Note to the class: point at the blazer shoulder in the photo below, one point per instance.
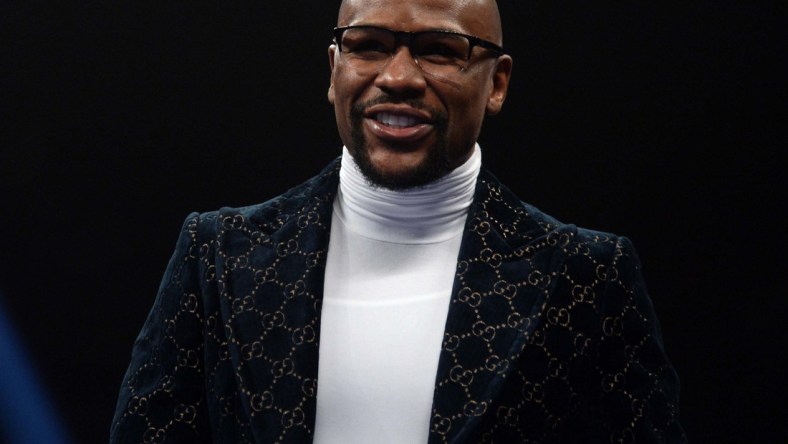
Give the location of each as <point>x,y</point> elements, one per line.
<point>273,213</point>
<point>599,241</point>
<point>582,234</point>
<point>521,223</point>
<point>604,246</point>
<point>609,246</point>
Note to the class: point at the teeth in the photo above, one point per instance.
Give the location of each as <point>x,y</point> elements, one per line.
<point>397,121</point>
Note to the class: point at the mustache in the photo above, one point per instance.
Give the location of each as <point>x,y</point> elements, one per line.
<point>386,98</point>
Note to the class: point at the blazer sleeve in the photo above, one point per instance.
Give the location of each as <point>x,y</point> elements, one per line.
<point>162,397</point>
<point>640,388</point>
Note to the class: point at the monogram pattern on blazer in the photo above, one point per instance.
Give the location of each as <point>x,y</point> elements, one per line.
<point>550,336</point>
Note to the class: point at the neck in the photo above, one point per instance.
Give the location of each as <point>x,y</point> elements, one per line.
<point>433,213</point>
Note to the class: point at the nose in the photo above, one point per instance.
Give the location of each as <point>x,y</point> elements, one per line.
<point>401,75</point>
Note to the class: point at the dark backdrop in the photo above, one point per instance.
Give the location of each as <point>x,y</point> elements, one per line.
<point>662,121</point>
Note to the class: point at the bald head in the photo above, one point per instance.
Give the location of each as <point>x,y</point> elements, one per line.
<point>477,17</point>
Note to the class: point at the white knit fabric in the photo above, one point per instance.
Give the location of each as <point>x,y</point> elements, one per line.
<point>389,273</point>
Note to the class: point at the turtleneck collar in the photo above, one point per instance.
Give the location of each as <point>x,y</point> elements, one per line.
<point>430,214</point>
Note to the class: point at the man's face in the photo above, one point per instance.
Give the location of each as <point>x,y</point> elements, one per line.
<point>406,128</point>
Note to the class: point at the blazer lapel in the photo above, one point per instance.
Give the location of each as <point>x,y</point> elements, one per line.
<point>504,275</point>
<point>270,270</point>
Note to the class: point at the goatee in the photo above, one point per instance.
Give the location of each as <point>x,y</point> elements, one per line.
<point>436,164</point>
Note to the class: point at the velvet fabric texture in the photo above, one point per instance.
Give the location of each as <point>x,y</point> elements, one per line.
<point>550,337</point>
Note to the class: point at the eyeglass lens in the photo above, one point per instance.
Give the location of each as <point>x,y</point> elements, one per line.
<point>438,53</point>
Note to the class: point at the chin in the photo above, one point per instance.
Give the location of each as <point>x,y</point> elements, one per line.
<point>405,175</point>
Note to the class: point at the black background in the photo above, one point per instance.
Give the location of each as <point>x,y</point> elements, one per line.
<point>663,121</point>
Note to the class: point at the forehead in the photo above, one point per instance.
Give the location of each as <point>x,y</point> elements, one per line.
<point>466,16</point>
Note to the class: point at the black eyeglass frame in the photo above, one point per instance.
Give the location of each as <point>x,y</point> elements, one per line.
<point>410,36</point>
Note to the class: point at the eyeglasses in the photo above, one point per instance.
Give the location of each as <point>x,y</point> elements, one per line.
<point>440,53</point>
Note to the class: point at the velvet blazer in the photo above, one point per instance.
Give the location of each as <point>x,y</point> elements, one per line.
<point>550,336</point>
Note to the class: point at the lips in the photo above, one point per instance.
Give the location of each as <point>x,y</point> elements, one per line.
<point>398,123</point>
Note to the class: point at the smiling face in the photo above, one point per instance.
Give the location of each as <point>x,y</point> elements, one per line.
<point>406,128</point>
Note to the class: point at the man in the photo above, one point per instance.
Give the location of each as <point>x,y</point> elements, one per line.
<point>404,294</point>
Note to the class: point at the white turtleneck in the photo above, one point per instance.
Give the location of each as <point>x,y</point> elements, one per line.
<point>391,262</point>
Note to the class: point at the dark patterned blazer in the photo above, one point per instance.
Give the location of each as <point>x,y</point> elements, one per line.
<point>550,335</point>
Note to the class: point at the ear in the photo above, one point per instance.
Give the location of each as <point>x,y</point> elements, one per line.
<point>332,49</point>
<point>500,84</point>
